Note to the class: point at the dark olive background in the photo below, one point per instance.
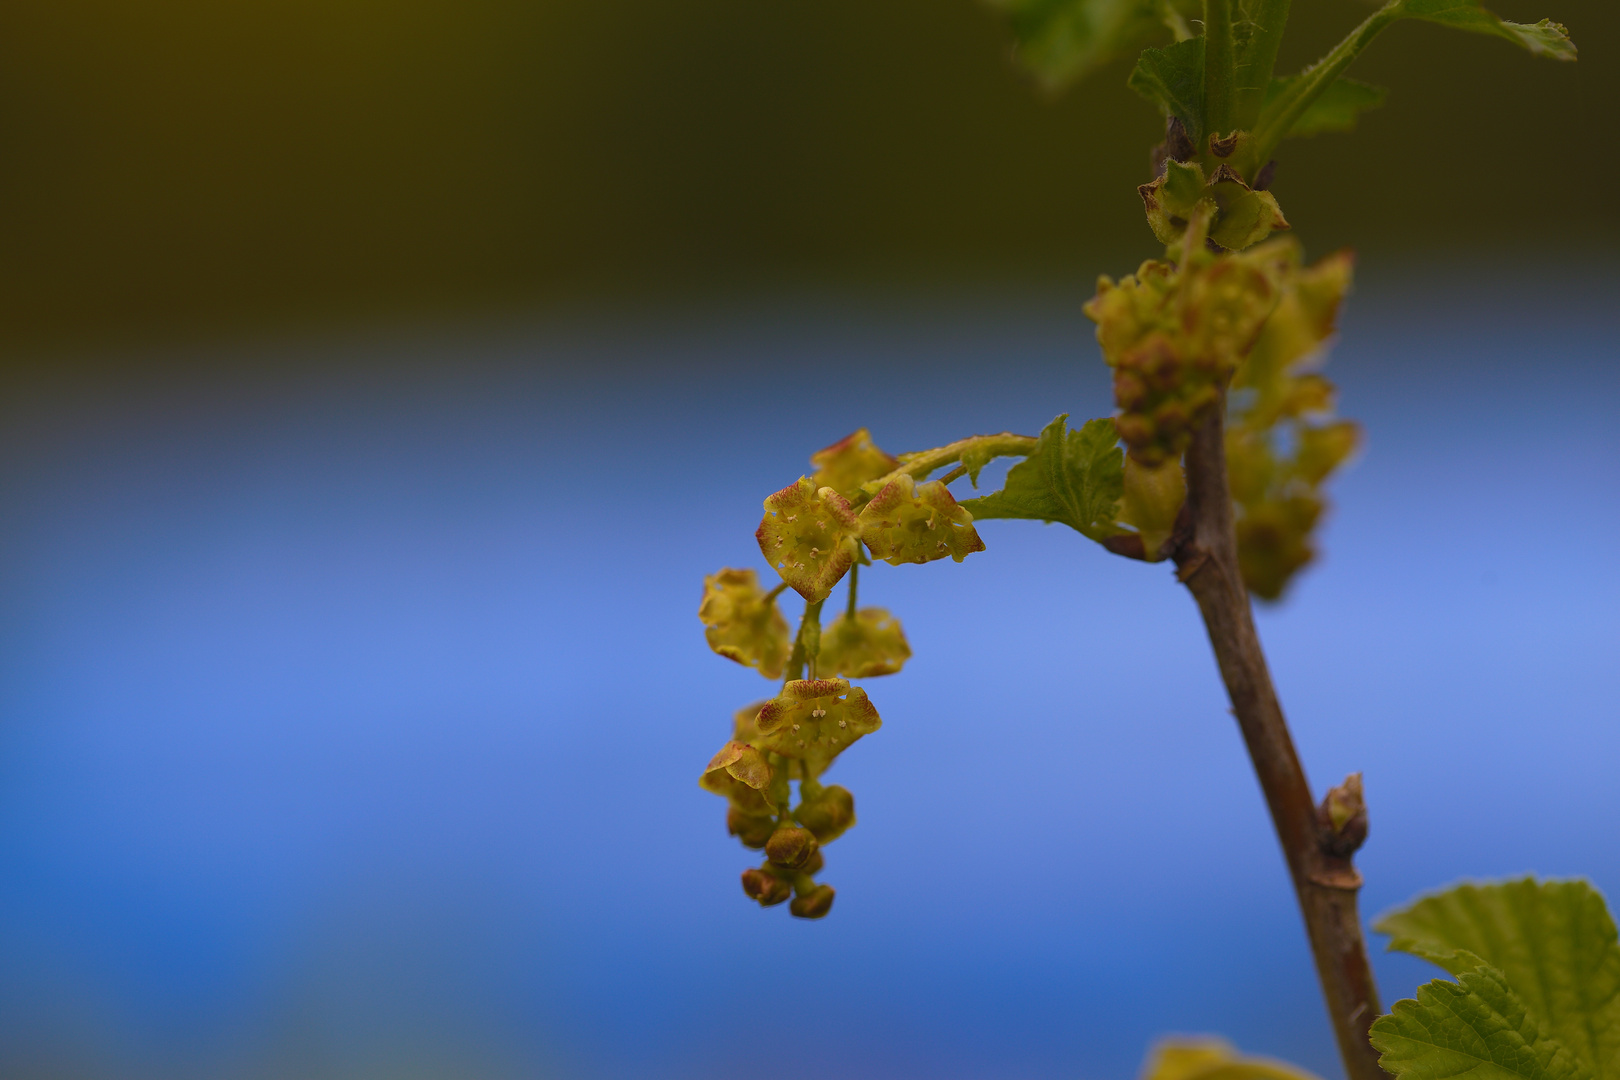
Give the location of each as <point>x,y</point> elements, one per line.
<point>181,167</point>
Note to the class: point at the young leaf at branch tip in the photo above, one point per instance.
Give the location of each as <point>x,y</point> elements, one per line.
<point>1544,38</point>
<point>808,536</point>
<point>850,462</point>
<point>1213,1059</point>
<point>911,523</point>
<point>1173,79</point>
<point>1554,941</point>
<point>741,624</point>
<point>1240,215</point>
<point>1059,41</point>
<point>1284,110</point>
<point>1073,478</point>
<point>1336,109</point>
<point>815,720</point>
<point>870,644</point>
<point>1475,1026</point>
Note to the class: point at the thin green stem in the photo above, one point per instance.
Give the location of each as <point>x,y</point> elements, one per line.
<point>1281,114</point>
<point>1256,61</point>
<point>1220,67</point>
<point>810,634</point>
<point>918,465</point>
<point>774,593</point>
<point>854,575</point>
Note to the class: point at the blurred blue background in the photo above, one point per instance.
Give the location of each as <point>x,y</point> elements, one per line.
<point>354,698</point>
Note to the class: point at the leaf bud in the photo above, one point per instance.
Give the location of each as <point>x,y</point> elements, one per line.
<point>762,885</point>
<point>828,813</point>
<point>1341,820</point>
<point>791,847</point>
<point>813,904</point>
<point>753,830</point>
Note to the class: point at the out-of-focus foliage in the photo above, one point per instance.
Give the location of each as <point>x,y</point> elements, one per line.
<point>1062,40</point>
<point>1282,441</point>
<point>1213,1059</point>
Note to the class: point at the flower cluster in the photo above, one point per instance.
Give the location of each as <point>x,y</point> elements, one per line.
<point>1175,334</point>
<point>813,534</point>
<point>1282,439</point>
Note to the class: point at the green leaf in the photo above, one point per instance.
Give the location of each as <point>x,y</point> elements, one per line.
<point>1173,79</point>
<point>1476,1027</point>
<point>1545,38</point>
<point>1075,478</point>
<point>1299,94</point>
<point>1062,40</point>
<point>1335,110</point>
<point>1554,941</point>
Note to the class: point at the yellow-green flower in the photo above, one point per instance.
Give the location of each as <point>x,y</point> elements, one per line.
<point>850,462</point>
<point>808,535</point>
<point>870,644</point>
<point>741,623</point>
<point>814,720</point>
<point>907,523</point>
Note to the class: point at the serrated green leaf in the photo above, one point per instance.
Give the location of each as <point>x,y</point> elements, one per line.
<point>1336,109</point>
<point>1554,941</point>
<point>1075,478</point>
<point>1545,38</point>
<point>1062,40</point>
<point>1173,79</point>
<point>1287,108</point>
<point>1475,1027</point>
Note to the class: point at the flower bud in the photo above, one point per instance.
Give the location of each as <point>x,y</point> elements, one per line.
<point>751,829</point>
<point>813,904</point>
<point>791,847</point>
<point>765,887</point>
<point>828,813</point>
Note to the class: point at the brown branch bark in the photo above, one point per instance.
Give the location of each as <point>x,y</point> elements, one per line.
<point>1317,852</point>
